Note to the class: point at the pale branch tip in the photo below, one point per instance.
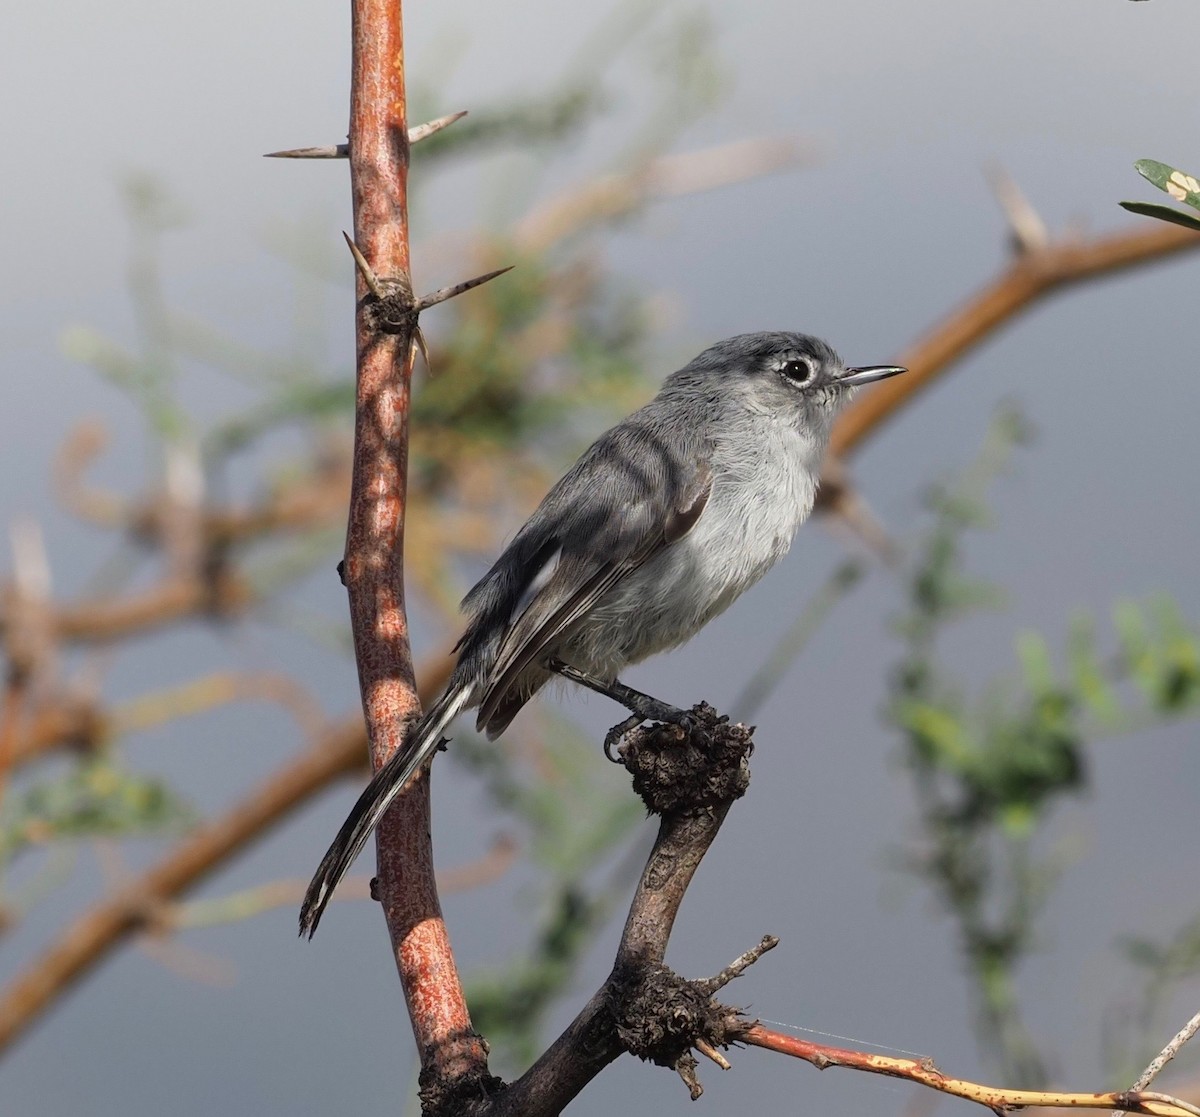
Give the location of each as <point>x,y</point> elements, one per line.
<point>342,151</point>
<point>1025,224</point>
<point>369,276</point>
<point>709,1052</point>
<point>31,563</point>
<point>686,1069</point>
<point>1184,1035</point>
<point>740,964</point>
<point>1164,1056</point>
<point>444,293</point>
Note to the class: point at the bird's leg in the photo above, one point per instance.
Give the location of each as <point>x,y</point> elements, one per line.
<point>643,707</point>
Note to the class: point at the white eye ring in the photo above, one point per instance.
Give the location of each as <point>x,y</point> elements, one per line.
<point>796,370</point>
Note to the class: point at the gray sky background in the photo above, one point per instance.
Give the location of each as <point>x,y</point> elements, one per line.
<point>868,248</point>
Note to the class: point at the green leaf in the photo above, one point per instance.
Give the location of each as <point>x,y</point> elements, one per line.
<point>1182,186</point>
<point>937,735</point>
<point>1034,654</point>
<point>1163,213</point>
<point>1018,818</point>
<point>1087,673</point>
<point>93,800</point>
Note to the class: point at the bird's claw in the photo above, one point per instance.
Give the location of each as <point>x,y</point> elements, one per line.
<point>686,721</point>
<point>613,738</point>
<point>668,715</point>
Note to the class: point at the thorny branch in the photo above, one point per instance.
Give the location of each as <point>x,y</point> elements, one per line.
<point>690,779</point>
<point>388,338</point>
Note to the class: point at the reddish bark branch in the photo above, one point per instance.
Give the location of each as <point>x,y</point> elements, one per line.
<point>374,565</point>
<point>922,1071</point>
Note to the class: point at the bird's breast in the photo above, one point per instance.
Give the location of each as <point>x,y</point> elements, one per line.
<point>760,496</point>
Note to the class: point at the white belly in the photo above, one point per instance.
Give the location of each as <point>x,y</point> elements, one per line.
<point>758,501</point>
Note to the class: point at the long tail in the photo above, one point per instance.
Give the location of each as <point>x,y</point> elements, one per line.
<point>387,783</point>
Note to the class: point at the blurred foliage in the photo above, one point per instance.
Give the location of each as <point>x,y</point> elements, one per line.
<point>987,773</point>
<point>94,798</point>
<point>1182,186</point>
<point>678,54</point>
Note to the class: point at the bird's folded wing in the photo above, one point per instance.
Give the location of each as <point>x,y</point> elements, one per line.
<point>578,582</point>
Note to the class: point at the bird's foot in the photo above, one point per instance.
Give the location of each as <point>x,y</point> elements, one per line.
<point>642,707</point>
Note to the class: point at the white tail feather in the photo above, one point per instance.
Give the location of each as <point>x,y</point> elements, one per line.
<point>373,803</point>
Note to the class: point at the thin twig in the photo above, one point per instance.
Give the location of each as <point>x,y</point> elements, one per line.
<point>613,196</point>
<point>768,675</point>
<point>740,964</point>
<point>923,1072</point>
<point>80,448</point>
<point>1167,1054</point>
<point>218,689</point>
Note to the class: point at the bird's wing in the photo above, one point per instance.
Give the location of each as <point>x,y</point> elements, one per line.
<point>582,578</point>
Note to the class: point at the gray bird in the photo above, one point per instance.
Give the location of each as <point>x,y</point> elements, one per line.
<point>661,524</point>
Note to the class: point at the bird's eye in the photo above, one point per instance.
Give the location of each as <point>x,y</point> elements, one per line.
<point>797,371</point>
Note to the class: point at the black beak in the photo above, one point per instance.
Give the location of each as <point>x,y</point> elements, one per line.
<point>868,374</point>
